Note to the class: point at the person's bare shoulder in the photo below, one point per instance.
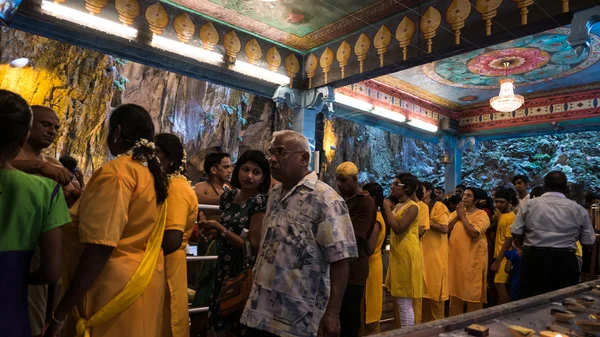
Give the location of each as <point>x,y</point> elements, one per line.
<point>201,188</point>
<point>53,161</point>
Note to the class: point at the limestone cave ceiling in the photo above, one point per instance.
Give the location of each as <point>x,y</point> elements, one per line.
<point>297,24</point>
<point>542,64</point>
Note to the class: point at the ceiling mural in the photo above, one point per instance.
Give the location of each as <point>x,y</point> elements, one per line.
<point>539,63</point>
<point>301,25</point>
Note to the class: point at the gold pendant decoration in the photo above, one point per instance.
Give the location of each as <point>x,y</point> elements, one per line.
<point>209,36</point>
<point>522,5</point>
<point>232,45</point>
<point>253,51</point>
<point>157,18</point>
<point>293,66</point>
<point>457,13</point>
<point>565,6</point>
<point>128,10</point>
<point>342,55</point>
<point>310,67</point>
<point>95,6</point>
<point>381,41</point>
<point>404,32</point>
<point>361,48</point>
<point>325,61</point>
<point>429,24</point>
<point>488,10</point>
<point>273,59</point>
<point>184,27</point>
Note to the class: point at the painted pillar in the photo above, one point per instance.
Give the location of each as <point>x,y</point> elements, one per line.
<point>453,170</point>
<point>306,104</point>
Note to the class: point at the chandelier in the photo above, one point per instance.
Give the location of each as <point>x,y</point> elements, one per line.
<point>507,101</point>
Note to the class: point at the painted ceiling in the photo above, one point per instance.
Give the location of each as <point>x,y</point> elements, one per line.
<point>301,25</point>
<point>540,64</point>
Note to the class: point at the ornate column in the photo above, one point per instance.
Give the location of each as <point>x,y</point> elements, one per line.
<point>306,104</point>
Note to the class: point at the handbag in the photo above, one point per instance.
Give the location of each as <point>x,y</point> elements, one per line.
<point>236,290</point>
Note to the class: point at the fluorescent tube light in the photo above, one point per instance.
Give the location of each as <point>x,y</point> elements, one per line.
<point>260,73</point>
<point>186,50</point>
<point>389,114</point>
<point>353,102</point>
<point>88,20</point>
<point>423,125</point>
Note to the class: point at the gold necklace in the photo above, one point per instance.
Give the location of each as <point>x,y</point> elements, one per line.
<point>43,158</point>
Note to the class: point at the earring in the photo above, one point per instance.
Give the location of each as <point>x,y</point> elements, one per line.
<point>116,139</point>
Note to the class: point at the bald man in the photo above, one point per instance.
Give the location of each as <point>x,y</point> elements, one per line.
<point>363,214</point>
<point>44,130</point>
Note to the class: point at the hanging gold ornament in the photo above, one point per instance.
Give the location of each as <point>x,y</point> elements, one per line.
<point>310,67</point>
<point>95,6</point>
<point>522,5</point>
<point>232,45</point>
<point>404,32</point>
<point>184,27</point>
<point>488,10</point>
<point>457,13</point>
<point>325,61</point>
<point>565,6</point>
<point>342,55</point>
<point>157,18</point>
<point>429,24</point>
<point>209,36</point>
<point>273,59</point>
<point>293,66</point>
<point>361,48</point>
<point>253,51</point>
<point>381,41</point>
<point>128,11</point>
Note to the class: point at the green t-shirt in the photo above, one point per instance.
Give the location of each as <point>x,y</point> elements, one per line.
<point>29,206</point>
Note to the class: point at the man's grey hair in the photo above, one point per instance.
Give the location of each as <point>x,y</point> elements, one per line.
<point>297,137</point>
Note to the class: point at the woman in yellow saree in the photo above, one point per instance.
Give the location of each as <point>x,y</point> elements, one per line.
<point>181,218</point>
<point>113,263</point>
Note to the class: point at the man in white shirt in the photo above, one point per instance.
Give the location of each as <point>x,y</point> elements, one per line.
<point>548,227</point>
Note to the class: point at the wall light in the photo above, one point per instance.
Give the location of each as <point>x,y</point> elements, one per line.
<point>423,125</point>
<point>389,114</point>
<point>88,20</point>
<point>260,73</point>
<point>21,62</point>
<point>186,50</point>
<point>353,102</point>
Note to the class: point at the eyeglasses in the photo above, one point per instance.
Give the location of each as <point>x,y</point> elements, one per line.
<point>280,152</point>
<point>395,183</point>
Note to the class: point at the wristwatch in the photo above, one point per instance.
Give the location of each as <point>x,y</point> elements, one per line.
<point>224,233</point>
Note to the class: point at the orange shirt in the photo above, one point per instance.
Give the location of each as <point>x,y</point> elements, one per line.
<point>435,256</point>
<point>117,209</point>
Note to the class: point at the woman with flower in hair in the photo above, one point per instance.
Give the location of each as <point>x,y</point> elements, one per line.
<point>114,276</point>
<point>181,218</point>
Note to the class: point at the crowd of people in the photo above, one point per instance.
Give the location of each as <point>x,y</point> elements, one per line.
<point>296,257</point>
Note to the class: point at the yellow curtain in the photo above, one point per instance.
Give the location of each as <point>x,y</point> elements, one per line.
<point>135,287</point>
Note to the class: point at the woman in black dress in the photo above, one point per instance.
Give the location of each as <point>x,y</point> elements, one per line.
<point>243,207</point>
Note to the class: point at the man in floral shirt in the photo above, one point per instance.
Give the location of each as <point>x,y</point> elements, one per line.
<point>302,267</point>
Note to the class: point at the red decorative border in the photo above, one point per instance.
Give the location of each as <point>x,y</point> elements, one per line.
<point>397,93</point>
<point>386,105</point>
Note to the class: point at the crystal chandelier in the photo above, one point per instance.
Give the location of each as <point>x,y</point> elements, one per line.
<point>507,101</point>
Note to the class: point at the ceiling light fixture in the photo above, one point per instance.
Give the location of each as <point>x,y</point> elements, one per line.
<point>186,50</point>
<point>353,102</point>
<point>260,73</point>
<point>88,20</point>
<point>507,101</point>
<point>19,63</point>
<point>423,125</point>
<point>389,114</point>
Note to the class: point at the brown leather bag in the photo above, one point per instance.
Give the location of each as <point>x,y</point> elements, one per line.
<point>236,291</point>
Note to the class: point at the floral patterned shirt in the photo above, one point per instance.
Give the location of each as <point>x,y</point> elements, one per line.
<point>305,230</point>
